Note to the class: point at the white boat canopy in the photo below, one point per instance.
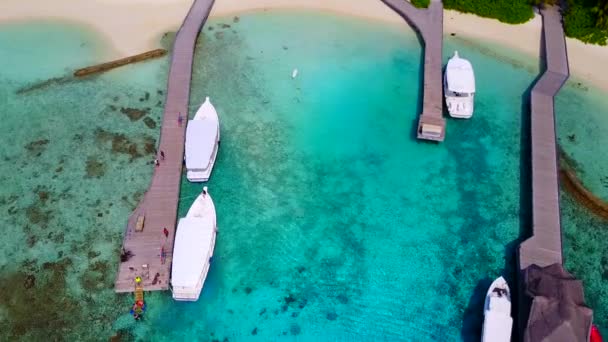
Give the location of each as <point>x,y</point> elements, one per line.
<point>201,136</point>
<point>459,75</point>
<point>192,249</point>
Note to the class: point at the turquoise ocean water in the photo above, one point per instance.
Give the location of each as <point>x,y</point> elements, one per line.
<point>334,223</point>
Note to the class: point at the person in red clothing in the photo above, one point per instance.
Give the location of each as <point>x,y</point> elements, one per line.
<point>166,232</point>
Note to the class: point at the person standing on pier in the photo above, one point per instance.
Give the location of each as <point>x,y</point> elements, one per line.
<point>162,155</point>
<point>179,119</point>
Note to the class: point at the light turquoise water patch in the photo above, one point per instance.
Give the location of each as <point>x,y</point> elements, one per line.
<point>334,223</point>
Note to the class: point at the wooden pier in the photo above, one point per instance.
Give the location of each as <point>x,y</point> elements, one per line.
<point>151,252</point>
<point>545,246</point>
<point>429,24</point>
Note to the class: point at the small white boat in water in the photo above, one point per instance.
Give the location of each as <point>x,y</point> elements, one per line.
<point>294,73</point>
<point>202,142</point>
<point>459,87</point>
<point>497,323</point>
<point>193,249</point>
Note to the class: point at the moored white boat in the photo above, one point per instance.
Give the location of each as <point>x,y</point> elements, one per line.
<point>202,143</point>
<point>459,87</point>
<point>193,249</point>
<point>497,323</point>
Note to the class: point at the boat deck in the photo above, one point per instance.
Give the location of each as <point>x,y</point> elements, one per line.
<point>151,250</point>
<point>429,24</point>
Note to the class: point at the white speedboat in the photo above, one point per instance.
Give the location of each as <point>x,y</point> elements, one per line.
<point>193,249</point>
<point>459,87</point>
<point>497,323</point>
<point>202,142</point>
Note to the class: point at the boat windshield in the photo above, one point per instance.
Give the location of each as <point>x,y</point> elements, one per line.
<point>457,94</point>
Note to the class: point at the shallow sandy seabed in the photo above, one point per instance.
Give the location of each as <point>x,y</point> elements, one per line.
<point>136,26</point>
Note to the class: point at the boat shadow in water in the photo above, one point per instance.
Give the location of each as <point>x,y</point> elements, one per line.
<point>473,317</point>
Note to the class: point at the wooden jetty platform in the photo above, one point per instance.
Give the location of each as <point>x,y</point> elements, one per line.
<point>429,24</point>
<point>545,246</point>
<point>151,250</point>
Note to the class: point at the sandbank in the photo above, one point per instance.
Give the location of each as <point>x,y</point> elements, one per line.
<point>137,25</point>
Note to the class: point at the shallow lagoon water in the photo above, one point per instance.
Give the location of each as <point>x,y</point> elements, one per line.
<point>334,223</point>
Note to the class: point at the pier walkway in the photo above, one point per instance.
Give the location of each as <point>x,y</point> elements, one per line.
<point>151,250</point>
<point>545,246</point>
<point>429,24</point>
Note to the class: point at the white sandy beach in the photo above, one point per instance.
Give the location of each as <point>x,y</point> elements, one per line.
<point>135,26</point>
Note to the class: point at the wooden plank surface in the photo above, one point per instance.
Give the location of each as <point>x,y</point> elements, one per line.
<point>159,204</point>
<point>545,246</point>
<point>429,24</point>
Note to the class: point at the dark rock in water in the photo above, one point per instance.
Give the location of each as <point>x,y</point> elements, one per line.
<point>31,240</point>
<point>147,96</point>
<point>332,316</point>
<point>159,103</point>
<point>93,254</point>
<point>43,196</point>
<point>112,108</point>
<point>254,331</point>
<point>236,19</point>
<point>141,99</point>
<point>219,35</point>
<point>295,314</point>
<point>38,216</point>
<point>289,299</point>
<point>115,98</point>
<point>452,34</point>
<point>303,303</point>
<point>148,121</point>
<point>222,25</point>
<point>295,329</point>
<point>210,28</point>
<point>59,169</point>
<point>99,214</point>
<point>36,147</point>
<point>263,311</point>
<point>248,290</point>
<point>159,92</point>
<point>149,145</point>
<point>123,145</point>
<point>134,114</point>
<point>122,335</point>
<point>95,168</point>
<point>342,298</point>
<point>301,269</point>
<point>29,282</point>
